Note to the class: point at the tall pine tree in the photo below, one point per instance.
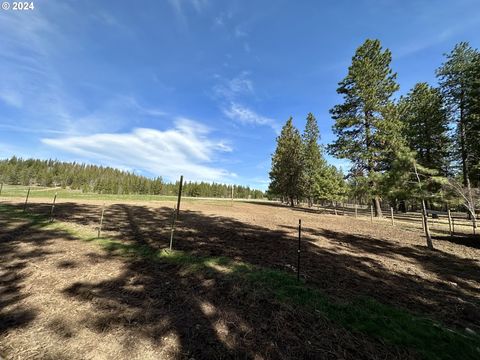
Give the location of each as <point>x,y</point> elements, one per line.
<point>455,79</point>
<point>426,127</point>
<point>361,122</point>
<point>473,121</point>
<point>313,160</point>
<point>287,164</point>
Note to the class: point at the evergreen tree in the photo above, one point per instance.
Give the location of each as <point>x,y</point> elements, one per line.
<point>366,122</point>
<point>106,180</point>
<point>456,84</point>
<point>329,184</point>
<point>472,142</point>
<point>286,172</point>
<point>313,161</point>
<point>426,127</point>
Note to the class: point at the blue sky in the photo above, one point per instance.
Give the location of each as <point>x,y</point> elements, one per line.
<point>199,87</point>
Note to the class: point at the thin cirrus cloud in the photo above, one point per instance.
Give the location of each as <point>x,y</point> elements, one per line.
<point>230,89</point>
<point>230,92</point>
<point>183,150</point>
<point>181,7</point>
<point>11,97</point>
<point>245,115</point>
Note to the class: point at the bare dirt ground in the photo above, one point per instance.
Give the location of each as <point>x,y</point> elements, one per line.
<point>65,298</point>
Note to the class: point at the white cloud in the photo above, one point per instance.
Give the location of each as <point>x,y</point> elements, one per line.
<point>240,32</point>
<point>245,115</point>
<point>27,70</point>
<point>232,88</point>
<point>178,8</point>
<point>419,44</point>
<point>183,150</point>
<point>11,97</point>
<point>230,92</point>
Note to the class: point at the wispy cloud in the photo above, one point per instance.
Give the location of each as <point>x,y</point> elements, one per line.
<point>232,88</point>
<point>245,115</point>
<point>28,74</point>
<point>95,133</point>
<point>31,80</point>
<point>422,43</point>
<point>11,97</point>
<point>180,11</point>
<point>223,18</point>
<point>185,149</point>
<point>240,32</point>
<point>232,92</point>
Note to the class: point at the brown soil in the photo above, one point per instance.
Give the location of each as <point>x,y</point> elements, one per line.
<point>65,298</point>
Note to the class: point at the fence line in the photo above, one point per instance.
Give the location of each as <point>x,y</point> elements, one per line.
<point>440,221</point>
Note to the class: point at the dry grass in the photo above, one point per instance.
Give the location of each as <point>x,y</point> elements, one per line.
<point>65,298</point>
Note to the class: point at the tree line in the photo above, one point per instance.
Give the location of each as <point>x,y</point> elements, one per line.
<point>422,147</point>
<point>108,180</point>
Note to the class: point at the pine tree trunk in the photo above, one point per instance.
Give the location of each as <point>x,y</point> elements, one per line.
<point>470,199</point>
<point>463,150</point>
<point>426,227</point>
<point>428,205</point>
<point>377,207</point>
<point>292,204</point>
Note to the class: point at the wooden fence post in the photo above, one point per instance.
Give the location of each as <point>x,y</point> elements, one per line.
<point>449,222</point>
<point>299,247</point>
<point>26,201</point>
<point>53,207</point>
<point>179,195</point>
<point>453,226</point>
<point>356,211</point>
<point>371,213</point>
<point>101,221</point>
<point>391,214</point>
<point>1,188</point>
<point>177,211</point>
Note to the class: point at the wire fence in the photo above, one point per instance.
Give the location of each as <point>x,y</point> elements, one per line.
<point>440,222</point>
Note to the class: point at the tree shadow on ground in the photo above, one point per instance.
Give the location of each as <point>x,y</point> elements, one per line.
<point>472,241</point>
<point>451,292</point>
<point>334,271</point>
<point>204,315</point>
<point>21,242</point>
<point>209,316</point>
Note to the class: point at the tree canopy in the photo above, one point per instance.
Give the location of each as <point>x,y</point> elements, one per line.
<point>107,180</point>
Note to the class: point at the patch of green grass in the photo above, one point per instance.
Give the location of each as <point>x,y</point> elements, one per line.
<point>430,339</point>
<point>45,192</point>
<point>10,191</point>
<point>365,315</point>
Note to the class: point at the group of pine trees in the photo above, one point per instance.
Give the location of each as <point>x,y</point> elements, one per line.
<point>299,170</point>
<point>422,146</point>
<point>107,180</point>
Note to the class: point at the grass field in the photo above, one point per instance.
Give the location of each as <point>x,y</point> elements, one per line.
<point>229,290</point>
<point>19,191</point>
<point>411,220</point>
